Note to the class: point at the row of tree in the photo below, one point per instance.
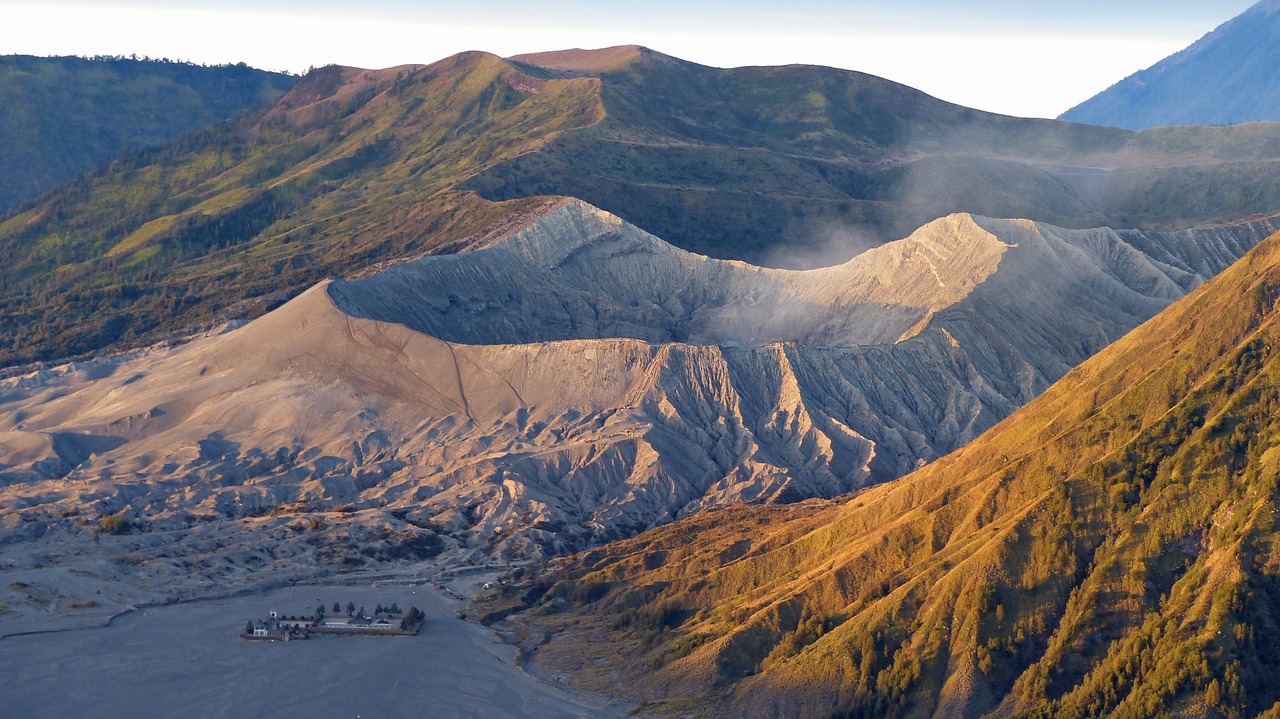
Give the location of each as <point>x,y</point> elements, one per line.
<point>392,610</point>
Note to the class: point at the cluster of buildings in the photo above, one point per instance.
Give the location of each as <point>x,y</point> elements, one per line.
<point>277,626</point>
<point>386,621</point>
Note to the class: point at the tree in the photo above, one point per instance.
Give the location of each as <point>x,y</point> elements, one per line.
<point>377,609</point>
<point>351,608</point>
<point>113,524</point>
<point>319,611</point>
<point>395,609</point>
<point>412,619</point>
<point>248,628</point>
<point>337,608</point>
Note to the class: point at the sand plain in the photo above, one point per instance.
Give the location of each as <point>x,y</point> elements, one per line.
<point>186,660</point>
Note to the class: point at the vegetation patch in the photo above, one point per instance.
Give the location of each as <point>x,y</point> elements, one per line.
<point>114,524</point>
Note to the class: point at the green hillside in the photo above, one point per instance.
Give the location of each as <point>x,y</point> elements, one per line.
<point>61,116</point>
<point>349,168</point>
<point>1109,550</point>
<point>781,166</point>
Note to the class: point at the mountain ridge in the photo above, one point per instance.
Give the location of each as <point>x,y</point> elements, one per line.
<point>585,60</point>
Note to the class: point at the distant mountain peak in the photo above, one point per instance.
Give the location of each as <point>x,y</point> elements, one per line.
<point>603,59</point>
<point>1229,76</point>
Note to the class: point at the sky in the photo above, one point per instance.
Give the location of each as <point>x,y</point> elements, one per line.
<point>1034,58</point>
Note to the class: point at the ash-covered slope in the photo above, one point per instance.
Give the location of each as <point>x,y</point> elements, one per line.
<point>1231,75</point>
<point>576,381</point>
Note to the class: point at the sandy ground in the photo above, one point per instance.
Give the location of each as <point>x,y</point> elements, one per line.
<point>185,660</point>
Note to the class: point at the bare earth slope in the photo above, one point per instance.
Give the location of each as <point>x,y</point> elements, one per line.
<point>575,381</point>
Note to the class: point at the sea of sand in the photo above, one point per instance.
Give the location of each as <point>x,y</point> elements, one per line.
<point>186,660</point>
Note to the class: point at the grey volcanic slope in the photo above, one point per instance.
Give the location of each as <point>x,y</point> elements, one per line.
<point>1229,76</point>
<point>575,381</point>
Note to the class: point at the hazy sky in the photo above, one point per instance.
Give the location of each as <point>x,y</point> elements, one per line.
<point>1031,57</point>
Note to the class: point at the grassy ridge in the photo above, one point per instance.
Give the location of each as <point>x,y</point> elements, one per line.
<point>1109,550</point>
<point>64,115</point>
<point>350,168</point>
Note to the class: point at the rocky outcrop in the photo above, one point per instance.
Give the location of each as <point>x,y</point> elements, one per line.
<point>581,380</point>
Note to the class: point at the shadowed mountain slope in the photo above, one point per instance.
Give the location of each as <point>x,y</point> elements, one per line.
<point>61,116</point>
<point>447,397</point>
<point>1108,550</point>
<point>1231,75</point>
<point>775,165</point>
